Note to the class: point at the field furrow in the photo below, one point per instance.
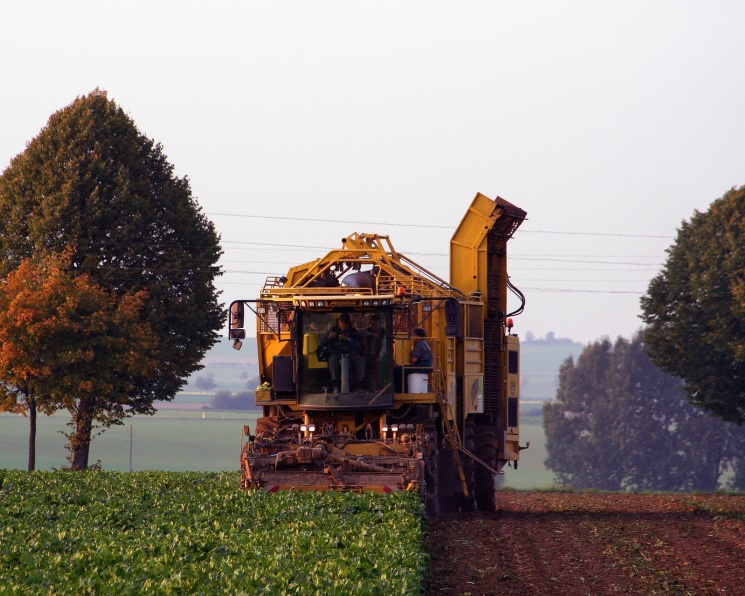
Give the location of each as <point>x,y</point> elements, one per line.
<point>592,543</point>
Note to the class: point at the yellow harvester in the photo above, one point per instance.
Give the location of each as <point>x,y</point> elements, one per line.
<point>349,411</point>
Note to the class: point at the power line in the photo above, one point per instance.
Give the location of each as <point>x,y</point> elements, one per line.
<point>528,289</point>
<point>319,220</point>
<point>625,281</point>
<point>514,270</point>
<point>273,244</point>
<point>595,234</point>
<point>572,291</point>
<point>440,266</point>
<point>283,247</point>
<point>592,255</point>
<point>580,261</point>
<point>637,269</point>
<point>425,226</point>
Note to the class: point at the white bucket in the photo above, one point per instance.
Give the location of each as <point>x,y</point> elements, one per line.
<point>418,383</point>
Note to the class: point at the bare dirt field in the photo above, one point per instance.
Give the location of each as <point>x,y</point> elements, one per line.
<point>592,543</point>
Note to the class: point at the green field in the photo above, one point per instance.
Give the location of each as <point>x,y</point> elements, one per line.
<point>196,533</point>
<point>181,440</point>
<point>531,473</point>
<point>175,440</point>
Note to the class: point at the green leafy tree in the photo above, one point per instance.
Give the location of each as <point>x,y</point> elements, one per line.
<point>91,181</point>
<point>620,423</point>
<point>695,308</point>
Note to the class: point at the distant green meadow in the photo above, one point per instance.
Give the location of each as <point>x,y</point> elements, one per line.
<point>197,533</point>
<point>184,440</point>
<point>174,440</point>
<point>531,471</point>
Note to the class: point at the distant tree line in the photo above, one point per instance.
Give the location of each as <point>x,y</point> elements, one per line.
<point>225,400</point>
<point>549,340</point>
<point>206,382</point>
<point>621,423</point>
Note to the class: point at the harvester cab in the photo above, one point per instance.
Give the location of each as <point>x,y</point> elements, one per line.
<point>379,375</point>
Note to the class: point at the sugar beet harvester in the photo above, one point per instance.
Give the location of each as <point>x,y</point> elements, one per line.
<point>349,411</point>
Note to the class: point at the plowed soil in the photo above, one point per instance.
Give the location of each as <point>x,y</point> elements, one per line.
<point>592,543</point>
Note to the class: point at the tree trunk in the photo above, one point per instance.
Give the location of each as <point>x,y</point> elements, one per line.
<point>80,441</point>
<point>32,434</point>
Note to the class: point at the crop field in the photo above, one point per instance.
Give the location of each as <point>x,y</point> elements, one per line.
<point>168,533</point>
<point>592,543</point>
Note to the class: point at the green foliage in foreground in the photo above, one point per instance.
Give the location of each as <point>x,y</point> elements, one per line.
<point>166,532</point>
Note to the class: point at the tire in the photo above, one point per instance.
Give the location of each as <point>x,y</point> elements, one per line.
<point>452,498</point>
<point>485,451</point>
<point>469,466</point>
<point>432,478</point>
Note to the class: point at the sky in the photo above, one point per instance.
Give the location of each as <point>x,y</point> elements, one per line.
<point>608,122</point>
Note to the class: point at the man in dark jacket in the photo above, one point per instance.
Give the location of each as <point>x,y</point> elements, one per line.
<point>374,340</point>
<point>421,360</point>
<point>343,340</point>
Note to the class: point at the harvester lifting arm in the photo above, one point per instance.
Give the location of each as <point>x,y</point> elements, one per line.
<point>354,462</point>
<point>479,461</point>
<point>416,267</point>
<point>381,392</point>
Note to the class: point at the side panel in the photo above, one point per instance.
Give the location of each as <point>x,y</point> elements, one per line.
<point>512,410</point>
<point>473,394</point>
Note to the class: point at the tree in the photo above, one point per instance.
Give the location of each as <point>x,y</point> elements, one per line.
<point>206,382</point>
<point>620,423</point>
<point>92,184</point>
<point>225,400</point>
<point>16,400</point>
<point>58,332</point>
<point>695,308</point>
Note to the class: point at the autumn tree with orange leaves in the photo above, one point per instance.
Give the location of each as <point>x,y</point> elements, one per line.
<point>67,343</point>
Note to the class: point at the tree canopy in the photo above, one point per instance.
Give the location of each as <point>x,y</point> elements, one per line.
<point>92,187</point>
<point>621,423</point>
<point>695,308</point>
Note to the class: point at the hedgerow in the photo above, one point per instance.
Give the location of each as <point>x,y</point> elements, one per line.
<point>196,533</point>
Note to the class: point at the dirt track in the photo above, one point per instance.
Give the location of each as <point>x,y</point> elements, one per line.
<point>590,543</point>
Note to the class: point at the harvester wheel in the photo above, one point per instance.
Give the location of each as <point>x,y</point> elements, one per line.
<point>469,442</point>
<point>485,494</point>
<point>449,482</point>
<point>432,479</point>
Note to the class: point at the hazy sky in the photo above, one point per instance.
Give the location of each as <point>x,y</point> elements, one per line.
<point>594,117</point>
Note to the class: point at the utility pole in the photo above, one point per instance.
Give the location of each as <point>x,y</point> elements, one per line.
<point>130,447</point>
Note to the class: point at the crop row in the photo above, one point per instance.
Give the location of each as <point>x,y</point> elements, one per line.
<point>166,532</point>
